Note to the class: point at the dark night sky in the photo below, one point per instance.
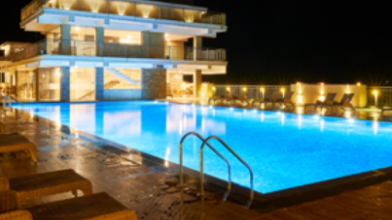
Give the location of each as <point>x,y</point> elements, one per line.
<point>280,42</point>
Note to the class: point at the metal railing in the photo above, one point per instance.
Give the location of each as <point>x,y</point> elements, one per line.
<point>129,8</point>
<point>384,96</point>
<point>215,151</point>
<point>205,142</point>
<point>92,48</point>
<point>253,92</point>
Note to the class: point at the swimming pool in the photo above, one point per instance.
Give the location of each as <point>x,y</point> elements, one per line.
<point>284,150</point>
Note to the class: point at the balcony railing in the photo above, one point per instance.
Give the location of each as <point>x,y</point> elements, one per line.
<point>94,49</point>
<point>128,8</point>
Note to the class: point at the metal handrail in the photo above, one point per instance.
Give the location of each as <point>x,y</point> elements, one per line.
<point>215,151</point>
<point>205,142</point>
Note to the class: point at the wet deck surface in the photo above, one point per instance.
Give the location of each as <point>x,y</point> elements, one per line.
<point>149,187</point>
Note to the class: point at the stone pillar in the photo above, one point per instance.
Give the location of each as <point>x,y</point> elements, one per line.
<point>100,39</point>
<point>197,47</point>
<point>99,83</point>
<point>197,84</point>
<point>153,45</point>
<point>154,83</point>
<point>65,45</point>
<point>65,83</point>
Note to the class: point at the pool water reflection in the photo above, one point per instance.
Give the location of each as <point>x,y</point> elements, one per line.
<point>284,150</point>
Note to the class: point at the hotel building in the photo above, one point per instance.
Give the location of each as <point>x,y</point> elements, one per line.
<point>112,50</point>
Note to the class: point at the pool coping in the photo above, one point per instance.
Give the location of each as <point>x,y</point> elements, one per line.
<point>240,194</point>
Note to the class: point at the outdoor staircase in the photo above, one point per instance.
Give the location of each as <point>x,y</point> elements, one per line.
<point>125,75</point>
<point>108,85</point>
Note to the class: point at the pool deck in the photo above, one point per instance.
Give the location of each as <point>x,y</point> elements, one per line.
<point>149,188</point>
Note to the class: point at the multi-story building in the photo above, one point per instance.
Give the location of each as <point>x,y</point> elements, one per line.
<point>112,50</point>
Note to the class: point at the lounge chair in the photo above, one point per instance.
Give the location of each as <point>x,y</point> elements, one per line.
<point>286,101</point>
<point>229,96</point>
<point>328,100</point>
<point>345,103</point>
<point>98,206</point>
<point>14,144</point>
<point>2,128</point>
<point>11,137</point>
<point>241,98</point>
<point>45,184</point>
<point>274,98</point>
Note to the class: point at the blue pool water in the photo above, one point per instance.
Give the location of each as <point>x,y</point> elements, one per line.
<point>284,150</point>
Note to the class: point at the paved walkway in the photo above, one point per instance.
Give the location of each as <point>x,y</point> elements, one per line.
<point>149,188</point>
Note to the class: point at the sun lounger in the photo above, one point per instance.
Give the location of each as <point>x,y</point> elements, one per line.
<point>228,97</point>
<point>241,98</point>
<point>18,144</point>
<point>2,128</point>
<point>10,137</point>
<point>98,206</point>
<point>286,101</point>
<point>45,184</point>
<point>328,100</point>
<point>385,109</point>
<point>274,97</point>
<point>345,103</point>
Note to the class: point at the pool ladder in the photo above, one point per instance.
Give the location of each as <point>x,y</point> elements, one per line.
<point>205,142</point>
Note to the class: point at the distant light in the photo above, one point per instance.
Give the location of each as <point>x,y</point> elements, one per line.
<point>282,90</point>
<point>316,117</point>
<point>166,35</point>
<point>168,39</point>
<point>358,83</point>
<point>228,89</point>
<point>213,88</point>
<point>129,36</point>
<point>77,28</point>
<point>145,16</point>
<point>375,92</point>
<point>298,83</point>
<point>261,89</point>
<point>244,89</point>
<point>322,83</point>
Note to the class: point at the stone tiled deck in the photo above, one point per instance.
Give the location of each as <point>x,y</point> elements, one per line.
<point>149,187</point>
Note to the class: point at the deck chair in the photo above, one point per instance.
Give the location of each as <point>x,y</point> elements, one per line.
<point>229,96</point>
<point>328,100</point>
<point>385,109</point>
<point>286,101</point>
<point>45,184</point>
<point>2,128</point>
<point>98,206</point>
<point>272,100</point>
<point>19,144</point>
<point>274,97</point>
<point>345,103</point>
<point>241,98</point>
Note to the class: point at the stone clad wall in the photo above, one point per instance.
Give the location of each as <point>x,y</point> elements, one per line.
<point>122,94</point>
<point>154,83</point>
<point>65,84</point>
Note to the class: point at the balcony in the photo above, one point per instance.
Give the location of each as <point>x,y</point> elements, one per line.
<point>93,49</point>
<point>129,8</point>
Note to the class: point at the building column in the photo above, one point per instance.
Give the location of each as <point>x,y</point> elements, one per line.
<point>65,83</point>
<point>197,47</point>
<point>197,84</point>
<point>154,83</point>
<point>65,44</point>
<point>99,83</point>
<point>100,39</point>
<point>36,84</point>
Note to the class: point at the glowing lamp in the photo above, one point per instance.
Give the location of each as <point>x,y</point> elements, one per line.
<point>213,88</point>
<point>244,89</point>
<point>228,89</point>
<point>375,92</point>
<point>261,89</point>
<point>358,83</point>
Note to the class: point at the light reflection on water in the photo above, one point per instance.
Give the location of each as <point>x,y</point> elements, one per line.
<point>285,150</point>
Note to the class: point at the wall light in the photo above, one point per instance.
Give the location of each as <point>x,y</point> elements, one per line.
<point>282,91</point>
<point>244,89</point>
<point>77,28</point>
<point>375,93</point>
<point>358,83</point>
<point>228,89</point>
